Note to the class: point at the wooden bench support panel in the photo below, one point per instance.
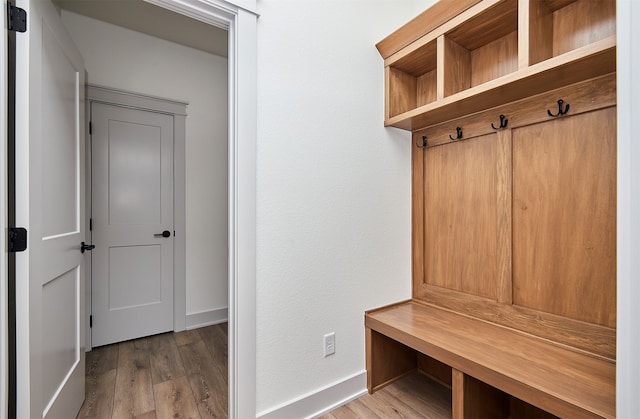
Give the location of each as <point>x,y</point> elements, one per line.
<point>387,360</point>
<point>474,399</point>
<point>434,369</point>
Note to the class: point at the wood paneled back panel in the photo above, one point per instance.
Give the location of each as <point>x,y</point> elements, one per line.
<point>495,59</point>
<point>477,252</point>
<point>460,182</point>
<point>564,216</point>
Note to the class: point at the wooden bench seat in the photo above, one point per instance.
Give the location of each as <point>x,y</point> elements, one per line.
<point>561,381</point>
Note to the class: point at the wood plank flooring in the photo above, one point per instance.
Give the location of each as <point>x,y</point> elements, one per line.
<point>184,375</point>
<point>414,396</point>
<point>172,375</point>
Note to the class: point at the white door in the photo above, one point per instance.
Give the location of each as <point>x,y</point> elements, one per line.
<point>132,217</point>
<point>50,204</point>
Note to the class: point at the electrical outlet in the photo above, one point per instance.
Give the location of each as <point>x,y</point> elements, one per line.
<point>329,344</point>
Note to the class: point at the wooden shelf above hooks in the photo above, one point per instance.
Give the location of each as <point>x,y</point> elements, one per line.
<point>495,52</point>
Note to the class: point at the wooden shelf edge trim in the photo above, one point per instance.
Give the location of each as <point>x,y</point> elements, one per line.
<point>446,27</point>
<point>581,64</point>
<point>387,306</point>
<point>439,13</point>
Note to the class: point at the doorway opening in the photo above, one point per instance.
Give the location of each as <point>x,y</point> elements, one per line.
<point>100,32</point>
<point>239,18</point>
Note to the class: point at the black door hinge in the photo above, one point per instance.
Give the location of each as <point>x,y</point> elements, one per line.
<point>90,224</point>
<point>17,239</point>
<point>91,320</point>
<point>90,128</point>
<point>16,18</point>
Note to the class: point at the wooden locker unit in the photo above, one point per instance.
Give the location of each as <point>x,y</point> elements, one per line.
<point>512,106</point>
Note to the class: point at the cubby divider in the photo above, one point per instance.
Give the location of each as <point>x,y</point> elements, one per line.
<point>473,398</point>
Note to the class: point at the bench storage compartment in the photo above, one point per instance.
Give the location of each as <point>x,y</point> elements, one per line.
<point>485,364</point>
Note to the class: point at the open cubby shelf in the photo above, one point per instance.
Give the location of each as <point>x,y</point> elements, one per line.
<point>497,50</point>
<point>481,49</point>
<point>414,80</point>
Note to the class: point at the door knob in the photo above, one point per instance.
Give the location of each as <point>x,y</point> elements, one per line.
<point>165,233</point>
<point>84,247</point>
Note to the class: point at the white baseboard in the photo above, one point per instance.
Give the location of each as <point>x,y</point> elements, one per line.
<point>207,318</point>
<point>322,401</point>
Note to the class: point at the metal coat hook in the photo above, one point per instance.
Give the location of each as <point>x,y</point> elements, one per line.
<point>560,110</point>
<point>503,123</point>
<point>424,142</point>
<point>458,134</point>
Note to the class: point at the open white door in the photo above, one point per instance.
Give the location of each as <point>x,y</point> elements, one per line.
<point>50,204</point>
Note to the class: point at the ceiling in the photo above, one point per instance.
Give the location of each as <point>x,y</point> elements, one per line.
<point>152,20</point>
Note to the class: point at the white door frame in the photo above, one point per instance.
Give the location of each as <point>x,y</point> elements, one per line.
<point>240,19</point>
<point>178,110</point>
<point>628,363</point>
<point>3,221</point>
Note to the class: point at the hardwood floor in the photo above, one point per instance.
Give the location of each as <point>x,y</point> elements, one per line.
<point>184,375</point>
<point>414,396</point>
<point>172,375</point>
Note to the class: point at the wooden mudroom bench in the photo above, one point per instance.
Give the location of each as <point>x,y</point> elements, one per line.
<point>512,109</point>
<point>485,364</point>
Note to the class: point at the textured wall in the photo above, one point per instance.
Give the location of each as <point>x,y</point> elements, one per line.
<point>333,200</point>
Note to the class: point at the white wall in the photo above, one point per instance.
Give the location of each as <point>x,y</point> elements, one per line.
<point>128,60</point>
<point>628,362</point>
<point>333,191</point>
